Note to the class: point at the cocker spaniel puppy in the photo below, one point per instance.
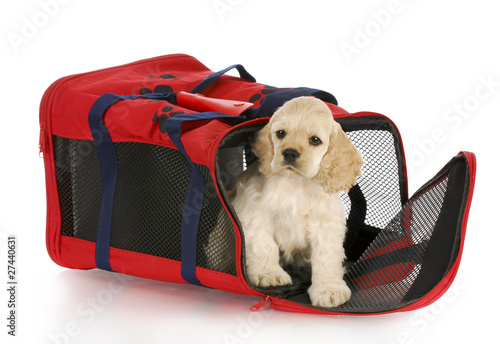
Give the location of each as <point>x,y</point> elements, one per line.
<point>288,205</point>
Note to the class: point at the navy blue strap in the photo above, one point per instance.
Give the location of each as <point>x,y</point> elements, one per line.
<point>108,163</point>
<point>213,77</point>
<point>192,206</point>
<point>273,101</point>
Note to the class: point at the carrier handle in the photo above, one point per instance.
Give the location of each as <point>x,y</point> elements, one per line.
<point>209,80</point>
<point>192,207</point>
<point>108,165</point>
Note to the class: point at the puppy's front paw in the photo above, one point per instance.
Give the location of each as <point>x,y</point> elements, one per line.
<point>329,296</point>
<point>271,278</point>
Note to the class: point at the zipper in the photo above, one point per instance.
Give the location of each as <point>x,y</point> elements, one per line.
<point>41,143</point>
<point>43,117</point>
<point>44,104</point>
<point>261,304</point>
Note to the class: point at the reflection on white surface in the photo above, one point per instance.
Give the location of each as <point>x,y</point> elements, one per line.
<point>93,306</point>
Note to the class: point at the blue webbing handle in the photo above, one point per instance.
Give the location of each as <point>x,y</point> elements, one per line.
<point>108,164</point>
<point>209,80</point>
<point>192,207</point>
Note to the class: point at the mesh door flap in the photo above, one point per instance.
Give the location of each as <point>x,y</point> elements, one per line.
<point>408,258</point>
<point>414,252</point>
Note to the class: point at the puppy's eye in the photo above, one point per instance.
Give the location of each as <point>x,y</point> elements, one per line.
<point>280,134</point>
<point>315,141</point>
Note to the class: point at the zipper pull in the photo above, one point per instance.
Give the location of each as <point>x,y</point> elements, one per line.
<point>41,143</point>
<point>261,304</point>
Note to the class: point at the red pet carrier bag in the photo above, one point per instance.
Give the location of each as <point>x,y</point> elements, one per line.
<point>139,158</point>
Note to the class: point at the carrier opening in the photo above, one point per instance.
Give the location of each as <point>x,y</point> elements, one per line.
<point>370,205</point>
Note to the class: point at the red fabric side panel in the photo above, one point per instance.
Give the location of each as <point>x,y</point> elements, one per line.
<point>145,265</point>
<point>80,254</point>
<point>222,281</point>
<point>77,253</point>
<point>174,70</point>
<point>336,110</point>
<point>69,99</point>
<point>128,120</point>
<point>200,141</point>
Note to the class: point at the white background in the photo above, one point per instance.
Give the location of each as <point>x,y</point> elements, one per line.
<point>417,62</point>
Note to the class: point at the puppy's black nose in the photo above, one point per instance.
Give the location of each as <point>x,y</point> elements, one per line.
<point>290,155</point>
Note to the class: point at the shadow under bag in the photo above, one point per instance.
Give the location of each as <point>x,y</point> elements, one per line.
<point>139,159</point>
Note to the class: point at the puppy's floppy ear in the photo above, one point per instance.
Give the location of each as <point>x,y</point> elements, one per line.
<point>263,149</point>
<point>341,164</point>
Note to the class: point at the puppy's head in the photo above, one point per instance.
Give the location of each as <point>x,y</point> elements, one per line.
<point>302,138</point>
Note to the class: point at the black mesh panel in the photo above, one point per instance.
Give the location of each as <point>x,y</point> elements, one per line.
<point>216,237</point>
<point>149,202</point>
<point>79,185</point>
<point>149,199</point>
<point>379,182</point>
<point>386,271</point>
<point>385,277</point>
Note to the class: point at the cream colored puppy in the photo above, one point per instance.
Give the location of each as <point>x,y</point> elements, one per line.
<point>288,205</point>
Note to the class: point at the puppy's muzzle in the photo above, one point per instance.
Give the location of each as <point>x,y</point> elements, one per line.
<point>290,155</point>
